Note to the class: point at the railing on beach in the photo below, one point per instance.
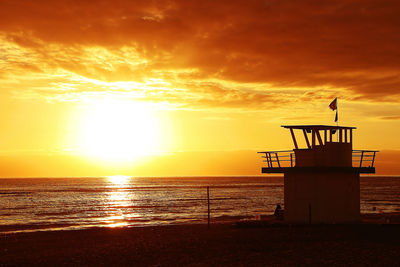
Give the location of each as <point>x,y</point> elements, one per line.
<point>286,158</point>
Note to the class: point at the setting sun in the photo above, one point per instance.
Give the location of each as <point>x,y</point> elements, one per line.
<point>118,131</point>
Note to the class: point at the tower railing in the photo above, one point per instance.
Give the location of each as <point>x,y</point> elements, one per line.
<point>279,159</point>
<point>286,158</point>
<point>361,158</point>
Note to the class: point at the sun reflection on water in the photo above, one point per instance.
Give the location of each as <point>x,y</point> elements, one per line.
<point>118,201</point>
<point>116,221</point>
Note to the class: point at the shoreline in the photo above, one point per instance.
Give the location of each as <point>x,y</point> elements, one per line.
<point>366,218</point>
<point>263,220</point>
<point>227,244</point>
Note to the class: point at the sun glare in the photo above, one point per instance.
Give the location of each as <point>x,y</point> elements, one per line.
<point>118,179</point>
<point>119,131</point>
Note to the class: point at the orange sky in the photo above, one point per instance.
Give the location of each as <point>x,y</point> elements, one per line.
<point>155,88</point>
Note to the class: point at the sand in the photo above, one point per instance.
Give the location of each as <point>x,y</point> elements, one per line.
<point>372,243</point>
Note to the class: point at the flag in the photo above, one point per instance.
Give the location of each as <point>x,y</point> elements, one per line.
<point>333,105</point>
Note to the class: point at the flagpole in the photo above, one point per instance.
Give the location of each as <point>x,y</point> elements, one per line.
<point>337,121</point>
<point>334,106</point>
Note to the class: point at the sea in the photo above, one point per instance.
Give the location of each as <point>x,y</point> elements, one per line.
<point>45,204</point>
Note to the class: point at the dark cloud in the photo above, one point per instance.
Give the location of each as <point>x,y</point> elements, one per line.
<point>390,118</point>
<point>351,45</point>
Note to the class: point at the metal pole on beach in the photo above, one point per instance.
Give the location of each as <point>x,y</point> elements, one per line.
<point>208,206</point>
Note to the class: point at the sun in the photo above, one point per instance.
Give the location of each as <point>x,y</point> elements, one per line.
<point>119,131</point>
<point>118,179</point>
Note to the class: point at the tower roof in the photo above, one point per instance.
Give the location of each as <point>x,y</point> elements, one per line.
<point>317,127</point>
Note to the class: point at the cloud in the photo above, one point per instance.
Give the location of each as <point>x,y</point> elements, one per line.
<point>235,54</point>
<point>177,164</point>
<point>390,118</point>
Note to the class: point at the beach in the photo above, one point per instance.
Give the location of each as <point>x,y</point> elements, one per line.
<point>375,242</point>
<point>163,222</point>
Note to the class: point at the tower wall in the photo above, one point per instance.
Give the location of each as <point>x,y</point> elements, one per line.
<point>328,155</point>
<point>322,197</point>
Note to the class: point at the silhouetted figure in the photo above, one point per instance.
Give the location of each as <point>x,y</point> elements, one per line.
<point>277,210</point>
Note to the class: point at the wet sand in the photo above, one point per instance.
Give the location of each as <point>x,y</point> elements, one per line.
<point>372,243</point>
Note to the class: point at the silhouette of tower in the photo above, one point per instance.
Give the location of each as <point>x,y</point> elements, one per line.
<point>322,180</point>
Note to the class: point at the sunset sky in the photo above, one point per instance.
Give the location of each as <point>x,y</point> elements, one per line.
<point>163,88</point>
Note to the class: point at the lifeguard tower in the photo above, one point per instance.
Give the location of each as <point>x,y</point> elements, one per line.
<point>322,179</point>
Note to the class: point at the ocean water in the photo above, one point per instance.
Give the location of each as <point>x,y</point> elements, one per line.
<point>34,204</point>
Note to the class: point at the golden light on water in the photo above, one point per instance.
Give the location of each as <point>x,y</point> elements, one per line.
<point>117,201</point>
<point>116,221</point>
